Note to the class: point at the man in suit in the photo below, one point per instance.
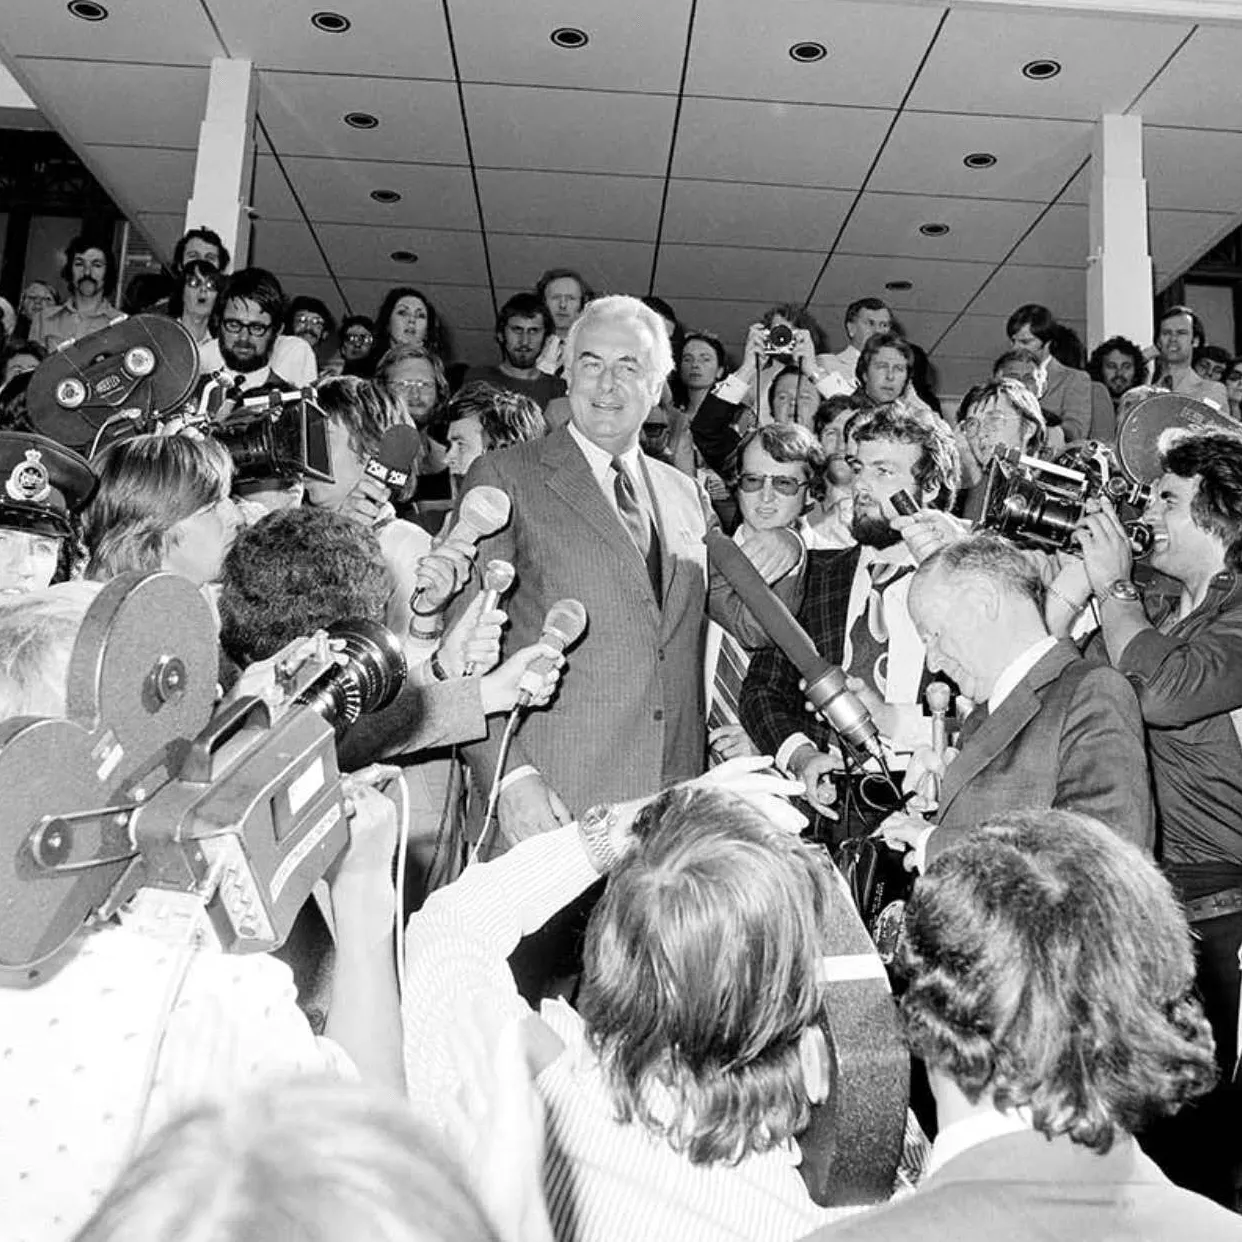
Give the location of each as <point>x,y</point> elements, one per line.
<point>595,520</point>
<point>854,606</point>
<point>1066,398</point>
<point>1050,728</point>
<point>1050,995</point>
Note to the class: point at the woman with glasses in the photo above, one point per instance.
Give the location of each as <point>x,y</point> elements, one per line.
<point>355,355</point>
<point>193,302</point>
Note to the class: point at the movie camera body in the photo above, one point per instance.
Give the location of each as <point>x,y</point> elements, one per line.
<point>143,786</point>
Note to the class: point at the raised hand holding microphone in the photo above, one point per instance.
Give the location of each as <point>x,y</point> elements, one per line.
<point>563,625</point>
<point>384,475</point>
<point>497,579</point>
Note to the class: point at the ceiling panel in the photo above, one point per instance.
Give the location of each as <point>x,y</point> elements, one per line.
<point>617,267</point>
<point>976,65</point>
<point>733,214</point>
<point>364,252</point>
<point>577,131</point>
<point>1058,240</point>
<point>286,248</point>
<point>979,229</point>
<point>1199,89</point>
<point>1034,158</point>
<point>959,375</point>
<point>1177,238</point>
<point>717,272</point>
<point>420,122</point>
<point>975,336</point>
<point>160,180</point>
<point>512,43</point>
<point>935,286</point>
<point>407,40</point>
<point>742,50</point>
<point>1196,170</point>
<point>136,30</point>
<point>777,143</point>
<point>162,230</point>
<point>728,320</point>
<point>112,103</point>
<point>1061,289</point>
<point>270,195</point>
<point>572,204</point>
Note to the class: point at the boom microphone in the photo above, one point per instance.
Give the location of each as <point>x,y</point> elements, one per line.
<point>825,682</point>
<point>394,461</point>
<point>562,627</point>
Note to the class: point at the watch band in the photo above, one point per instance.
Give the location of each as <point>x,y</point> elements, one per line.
<point>595,828</point>
<point>1124,589</point>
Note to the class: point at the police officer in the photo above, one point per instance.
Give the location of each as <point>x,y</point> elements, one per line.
<point>43,487</point>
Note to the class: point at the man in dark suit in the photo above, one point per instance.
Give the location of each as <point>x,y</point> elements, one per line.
<point>1050,993</point>
<point>1050,729</point>
<point>595,520</point>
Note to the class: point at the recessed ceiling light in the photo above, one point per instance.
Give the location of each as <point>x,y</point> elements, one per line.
<point>933,230</point>
<point>980,159</point>
<point>807,52</point>
<point>570,37</point>
<point>403,256</point>
<point>330,23</point>
<point>386,196</point>
<point>1041,70</point>
<point>898,286</point>
<point>360,120</point>
<point>88,10</point>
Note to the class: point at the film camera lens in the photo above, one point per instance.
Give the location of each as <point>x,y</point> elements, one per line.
<point>778,339</point>
<point>368,679</point>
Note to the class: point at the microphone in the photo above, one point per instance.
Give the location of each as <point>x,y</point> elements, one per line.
<point>825,682</point>
<point>394,461</point>
<point>497,579</point>
<point>482,512</point>
<point>562,627</point>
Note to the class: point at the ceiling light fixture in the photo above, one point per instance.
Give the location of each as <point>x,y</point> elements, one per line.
<point>403,256</point>
<point>933,230</point>
<point>360,120</point>
<point>330,23</point>
<point>1041,70</point>
<point>386,196</point>
<point>570,37</point>
<point>807,52</point>
<point>88,10</point>
<point>898,286</point>
<point>979,159</point>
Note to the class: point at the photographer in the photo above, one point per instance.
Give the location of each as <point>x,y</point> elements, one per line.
<point>1001,414</point>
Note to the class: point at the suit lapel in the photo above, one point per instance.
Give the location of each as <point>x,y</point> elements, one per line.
<point>1000,728</point>
<point>570,477</point>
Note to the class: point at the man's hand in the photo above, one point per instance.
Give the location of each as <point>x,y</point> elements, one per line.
<point>773,553</point>
<point>885,715</point>
<point>474,641</point>
<point>816,769</point>
<point>1106,550</point>
<point>528,807</point>
<point>549,360</point>
<point>367,860</point>
<point>925,762</point>
<point>927,531</point>
<point>731,741</point>
<point>439,575</point>
<point>902,831</point>
<point>500,689</point>
<point>368,503</point>
<point>804,353</point>
<point>756,336</point>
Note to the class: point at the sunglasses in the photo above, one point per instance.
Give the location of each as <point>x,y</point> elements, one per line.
<point>781,483</point>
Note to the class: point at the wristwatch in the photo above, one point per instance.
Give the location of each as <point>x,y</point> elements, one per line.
<point>1123,588</point>
<point>596,828</point>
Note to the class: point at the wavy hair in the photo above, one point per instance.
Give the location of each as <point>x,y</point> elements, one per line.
<point>436,341</point>
<point>1049,964</point>
<point>700,975</point>
<point>1215,458</point>
<point>364,408</point>
<point>939,467</point>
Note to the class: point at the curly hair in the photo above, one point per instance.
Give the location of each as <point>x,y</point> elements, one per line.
<point>1048,964</point>
<point>147,484</point>
<point>505,417</point>
<point>783,442</point>
<point>1215,458</point>
<point>294,572</point>
<point>939,467</point>
<point>1116,345</point>
<point>700,975</point>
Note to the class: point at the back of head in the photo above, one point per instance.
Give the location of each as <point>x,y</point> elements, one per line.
<point>505,417</point>
<point>700,975</point>
<point>362,407</point>
<point>294,572</point>
<point>1050,968</point>
<point>304,1161</point>
<point>991,558</point>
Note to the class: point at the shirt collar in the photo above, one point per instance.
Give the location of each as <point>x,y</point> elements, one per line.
<point>1016,669</point>
<point>600,460</point>
<point>970,1132</point>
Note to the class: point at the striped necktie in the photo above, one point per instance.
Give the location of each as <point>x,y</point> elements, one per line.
<point>639,526</point>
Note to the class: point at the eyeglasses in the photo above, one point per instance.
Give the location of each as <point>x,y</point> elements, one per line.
<point>358,338</point>
<point>418,386</point>
<point>202,282</point>
<point>253,329</point>
<point>782,483</point>
<point>302,320</point>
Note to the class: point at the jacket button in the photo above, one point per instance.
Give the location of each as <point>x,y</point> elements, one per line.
<point>660,655</point>
<point>659,713</point>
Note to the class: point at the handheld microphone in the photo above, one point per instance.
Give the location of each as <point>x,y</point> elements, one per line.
<point>562,627</point>
<point>825,682</point>
<point>482,512</point>
<point>497,579</point>
<point>394,461</point>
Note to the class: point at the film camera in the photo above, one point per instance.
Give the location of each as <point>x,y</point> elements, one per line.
<point>777,341</point>
<point>143,787</point>
<point>138,372</point>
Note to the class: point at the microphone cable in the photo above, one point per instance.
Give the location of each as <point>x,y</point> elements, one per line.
<point>493,795</point>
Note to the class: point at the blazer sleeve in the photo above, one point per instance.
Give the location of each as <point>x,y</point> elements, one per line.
<point>1076,410</point>
<point>713,430</point>
<point>421,717</point>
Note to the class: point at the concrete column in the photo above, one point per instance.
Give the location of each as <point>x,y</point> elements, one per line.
<point>224,167</point>
<point>1119,278</point>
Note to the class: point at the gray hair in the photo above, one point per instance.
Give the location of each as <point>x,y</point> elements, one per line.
<point>989,557</point>
<point>622,309</point>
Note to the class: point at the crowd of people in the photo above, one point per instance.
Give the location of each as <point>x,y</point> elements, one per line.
<point>613,882</point>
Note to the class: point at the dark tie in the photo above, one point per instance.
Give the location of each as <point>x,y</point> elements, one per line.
<point>970,726</point>
<point>639,526</point>
<point>869,634</point>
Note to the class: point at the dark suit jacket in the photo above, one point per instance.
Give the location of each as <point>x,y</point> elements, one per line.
<point>1025,1188</point>
<point>629,716</point>
<point>1069,735</point>
<point>1067,401</point>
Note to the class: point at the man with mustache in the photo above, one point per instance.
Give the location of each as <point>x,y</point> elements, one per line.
<point>522,327</point>
<point>90,271</point>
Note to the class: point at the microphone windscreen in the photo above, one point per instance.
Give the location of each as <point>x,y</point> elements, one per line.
<point>498,576</point>
<point>399,449</point>
<point>564,624</point>
<point>485,510</point>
